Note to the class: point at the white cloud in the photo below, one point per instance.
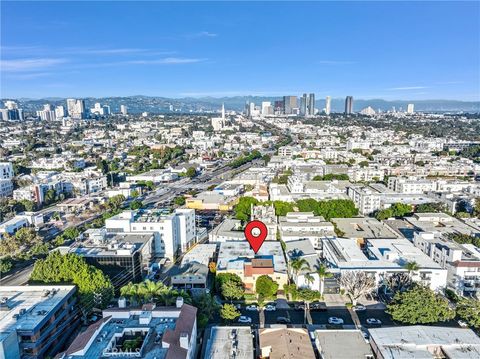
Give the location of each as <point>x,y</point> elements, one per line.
<point>202,34</point>
<point>166,61</point>
<point>29,64</point>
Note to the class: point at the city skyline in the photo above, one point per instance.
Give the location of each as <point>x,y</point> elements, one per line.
<point>184,50</point>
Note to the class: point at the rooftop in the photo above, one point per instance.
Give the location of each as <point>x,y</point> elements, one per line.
<point>224,341</point>
<point>27,307</point>
<point>419,342</point>
<point>333,344</point>
<point>281,343</point>
<point>362,227</point>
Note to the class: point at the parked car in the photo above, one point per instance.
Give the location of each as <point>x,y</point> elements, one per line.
<point>463,323</point>
<point>244,319</point>
<point>359,308</point>
<point>238,306</point>
<point>270,308</point>
<point>251,307</point>
<point>335,320</point>
<point>318,306</point>
<point>283,320</point>
<point>299,306</point>
<point>374,321</point>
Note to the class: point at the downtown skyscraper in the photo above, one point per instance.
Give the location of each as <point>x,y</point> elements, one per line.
<point>328,105</point>
<point>348,105</point>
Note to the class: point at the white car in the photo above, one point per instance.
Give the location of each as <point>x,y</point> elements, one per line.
<point>335,320</point>
<point>270,308</point>
<point>244,319</point>
<point>463,323</point>
<point>359,308</point>
<point>252,307</point>
<point>373,321</point>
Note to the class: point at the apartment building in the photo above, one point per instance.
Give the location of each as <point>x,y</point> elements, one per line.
<point>177,230</point>
<point>237,257</point>
<point>6,175</point>
<point>305,225</point>
<point>139,332</point>
<point>36,321</point>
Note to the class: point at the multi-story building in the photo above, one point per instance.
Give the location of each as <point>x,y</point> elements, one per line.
<point>289,104</point>
<point>123,110</point>
<point>76,108</point>
<point>461,260</point>
<point>311,104</point>
<point>124,257</point>
<point>237,257</point>
<point>328,105</point>
<point>410,185</point>
<point>47,114</point>
<point>177,230</point>
<point>6,175</point>
<point>36,321</point>
<point>349,105</point>
<point>381,258</point>
<point>11,112</point>
<point>305,225</point>
<point>266,214</point>
<point>139,332</point>
<point>60,112</point>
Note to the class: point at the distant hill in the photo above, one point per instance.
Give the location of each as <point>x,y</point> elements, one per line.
<point>138,104</point>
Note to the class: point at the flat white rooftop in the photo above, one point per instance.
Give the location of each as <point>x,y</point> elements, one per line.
<point>35,303</point>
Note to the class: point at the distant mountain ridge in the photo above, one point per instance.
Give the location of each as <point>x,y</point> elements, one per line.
<point>157,104</point>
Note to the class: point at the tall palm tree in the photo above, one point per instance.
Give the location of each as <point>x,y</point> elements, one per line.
<point>298,264</point>
<point>150,290</point>
<point>323,273</point>
<point>411,267</point>
<point>130,291</point>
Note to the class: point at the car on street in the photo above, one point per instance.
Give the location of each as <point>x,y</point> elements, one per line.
<point>318,306</point>
<point>244,319</point>
<point>462,323</point>
<point>373,321</point>
<point>299,306</point>
<point>251,307</point>
<point>359,308</point>
<point>270,308</point>
<point>283,320</point>
<point>335,320</point>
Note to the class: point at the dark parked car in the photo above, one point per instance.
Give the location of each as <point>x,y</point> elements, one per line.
<point>283,320</point>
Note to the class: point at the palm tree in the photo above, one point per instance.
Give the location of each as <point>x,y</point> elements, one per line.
<point>309,279</point>
<point>298,264</point>
<point>150,290</point>
<point>323,273</point>
<point>411,267</point>
<point>130,291</point>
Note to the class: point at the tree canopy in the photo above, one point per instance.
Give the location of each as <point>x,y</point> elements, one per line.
<point>266,287</point>
<point>228,312</point>
<point>243,208</point>
<point>335,208</point>
<point>229,285</point>
<point>419,305</point>
<point>468,309</point>
<point>94,287</point>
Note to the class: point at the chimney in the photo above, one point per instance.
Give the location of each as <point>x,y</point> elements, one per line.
<point>184,340</point>
<point>179,302</point>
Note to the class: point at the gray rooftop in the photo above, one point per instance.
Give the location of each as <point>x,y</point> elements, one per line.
<point>418,341</point>
<point>36,302</point>
<point>361,227</point>
<point>342,344</point>
<point>223,340</point>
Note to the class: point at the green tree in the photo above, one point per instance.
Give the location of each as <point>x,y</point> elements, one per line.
<point>337,208</point>
<point>134,194</point>
<point>419,305</point>
<point>323,273</point>
<point>71,233</point>
<point>179,201</point>
<point>468,309</point>
<point>5,265</point>
<point>266,287</point>
<point>228,312</point>
<point>115,203</point>
<point>136,204</point>
<point>266,158</point>
<point>50,196</point>
<point>232,290</point>
<point>332,176</point>
<point>191,172</point>
<point>298,265</point>
<point>282,208</point>
<point>28,206</point>
<point>243,208</point>
<point>94,288</point>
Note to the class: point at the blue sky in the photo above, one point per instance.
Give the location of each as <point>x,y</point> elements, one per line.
<point>390,50</point>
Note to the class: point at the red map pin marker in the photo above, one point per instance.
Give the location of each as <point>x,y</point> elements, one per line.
<point>256,232</point>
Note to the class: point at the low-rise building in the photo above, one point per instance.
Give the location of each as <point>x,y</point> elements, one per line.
<point>422,342</point>
<point>139,332</point>
<point>238,258</point>
<point>211,200</point>
<point>228,342</point>
<point>381,258</point>
<point>305,225</point>
<point>303,249</point>
<point>36,321</point>
<point>342,344</point>
<point>229,230</point>
<point>279,343</point>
